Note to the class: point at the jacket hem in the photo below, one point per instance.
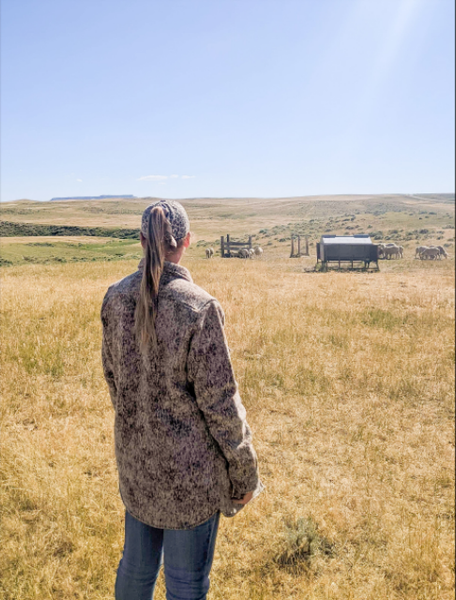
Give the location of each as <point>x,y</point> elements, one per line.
<point>150,523</point>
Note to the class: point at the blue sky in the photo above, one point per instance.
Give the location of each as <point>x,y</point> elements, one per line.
<point>187,98</point>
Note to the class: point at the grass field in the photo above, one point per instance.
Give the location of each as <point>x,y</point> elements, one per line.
<point>404,219</point>
<point>48,249</point>
<point>348,380</point>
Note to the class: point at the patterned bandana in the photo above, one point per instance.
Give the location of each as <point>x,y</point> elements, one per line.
<point>176,215</point>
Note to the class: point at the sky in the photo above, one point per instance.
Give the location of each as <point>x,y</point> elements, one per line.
<point>226,98</point>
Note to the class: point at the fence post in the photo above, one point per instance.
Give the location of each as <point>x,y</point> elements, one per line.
<point>250,241</point>
<point>299,245</point>
<point>228,245</point>
<point>292,247</point>
<point>307,246</point>
<point>222,246</point>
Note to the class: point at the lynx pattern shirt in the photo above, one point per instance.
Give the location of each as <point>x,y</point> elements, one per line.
<point>183,446</point>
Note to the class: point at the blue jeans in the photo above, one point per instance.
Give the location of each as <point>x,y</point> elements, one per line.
<point>188,556</point>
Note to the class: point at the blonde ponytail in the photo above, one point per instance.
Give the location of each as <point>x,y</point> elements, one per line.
<point>159,243</point>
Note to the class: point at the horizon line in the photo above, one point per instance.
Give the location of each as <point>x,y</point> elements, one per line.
<point>132,196</point>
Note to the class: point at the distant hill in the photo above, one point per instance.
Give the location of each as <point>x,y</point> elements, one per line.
<point>91,197</point>
<point>213,217</point>
<point>407,219</point>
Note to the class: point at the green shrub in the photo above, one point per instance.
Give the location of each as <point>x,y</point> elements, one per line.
<point>8,229</point>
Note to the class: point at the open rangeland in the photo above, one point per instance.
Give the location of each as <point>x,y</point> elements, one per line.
<point>409,220</point>
<point>348,382</point>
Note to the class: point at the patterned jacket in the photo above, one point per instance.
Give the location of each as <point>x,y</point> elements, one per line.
<point>183,446</point>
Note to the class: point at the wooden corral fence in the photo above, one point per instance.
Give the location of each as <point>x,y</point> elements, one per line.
<point>296,246</point>
<point>228,248</point>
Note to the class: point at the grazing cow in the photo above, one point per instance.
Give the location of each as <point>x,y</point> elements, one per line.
<point>251,252</point>
<point>243,253</point>
<point>209,252</point>
<point>258,251</point>
<point>430,254</point>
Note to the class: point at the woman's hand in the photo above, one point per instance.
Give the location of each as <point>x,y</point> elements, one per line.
<point>245,500</point>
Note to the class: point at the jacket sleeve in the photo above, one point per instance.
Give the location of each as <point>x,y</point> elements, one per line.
<point>210,371</point>
<point>106,357</point>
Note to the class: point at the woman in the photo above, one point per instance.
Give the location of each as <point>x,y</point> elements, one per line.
<point>183,447</point>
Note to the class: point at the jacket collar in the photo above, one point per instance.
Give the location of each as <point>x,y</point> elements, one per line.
<point>170,271</point>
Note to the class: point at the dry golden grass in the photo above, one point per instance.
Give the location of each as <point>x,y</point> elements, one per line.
<point>348,382</point>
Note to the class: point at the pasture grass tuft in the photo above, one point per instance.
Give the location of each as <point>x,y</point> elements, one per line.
<point>300,543</point>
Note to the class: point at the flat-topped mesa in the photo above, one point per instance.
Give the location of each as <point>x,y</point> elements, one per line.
<point>91,198</point>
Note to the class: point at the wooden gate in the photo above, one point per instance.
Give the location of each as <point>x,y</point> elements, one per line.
<point>229,248</point>
<point>296,249</point>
